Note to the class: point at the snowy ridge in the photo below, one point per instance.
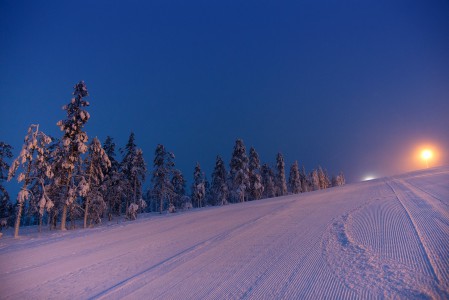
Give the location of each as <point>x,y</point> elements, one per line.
<point>379,239</point>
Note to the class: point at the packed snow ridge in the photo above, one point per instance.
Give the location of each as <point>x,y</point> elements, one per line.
<point>386,238</point>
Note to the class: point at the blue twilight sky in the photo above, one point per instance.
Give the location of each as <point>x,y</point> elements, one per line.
<point>350,85</point>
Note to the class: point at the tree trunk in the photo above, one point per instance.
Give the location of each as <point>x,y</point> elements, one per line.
<point>126,206</point>
<point>17,223</point>
<point>135,190</point>
<point>64,208</point>
<point>40,222</point>
<point>109,210</point>
<point>72,217</point>
<point>64,217</point>
<point>86,212</point>
<point>162,199</point>
<point>19,209</point>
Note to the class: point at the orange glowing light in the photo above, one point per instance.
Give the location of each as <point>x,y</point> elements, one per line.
<point>423,154</point>
<point>426,154</point>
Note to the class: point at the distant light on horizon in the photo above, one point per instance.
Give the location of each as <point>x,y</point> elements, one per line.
<point>368,178</point>
<point>427,155</point>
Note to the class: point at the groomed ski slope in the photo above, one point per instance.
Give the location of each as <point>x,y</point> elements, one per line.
<point>386,238</point>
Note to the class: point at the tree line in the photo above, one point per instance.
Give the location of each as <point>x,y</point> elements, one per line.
<point>69,178</point>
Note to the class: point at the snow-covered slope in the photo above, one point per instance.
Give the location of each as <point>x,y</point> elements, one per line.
<point>383,238</point>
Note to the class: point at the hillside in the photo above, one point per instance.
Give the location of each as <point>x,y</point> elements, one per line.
<point>383,238</point>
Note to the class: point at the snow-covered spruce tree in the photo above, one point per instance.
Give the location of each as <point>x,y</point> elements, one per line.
<point>163,165</point>
<point>44,188</point>
<point>97,164</point>
<point>134,170</point>
<point>280,176</point>
<point>255,179</point>
<point>57,188</point>
<point>198,186</point>
<point>208,198</point>
<point>323,178</point>
<point>334,181</point>
<point>305,185</point>
<point>126,166</point>
<point>140,175</point>
<point>268,181</point>
<point>74,144</point>
<point>239,173</point>
<point>314,180</point>
<point>294,180</point>
<point>219,188</point>
<point>6,209</point>
<point>34,162</point>
<point>340,179</point>
<point>179,188</point>
<point>115,185</point>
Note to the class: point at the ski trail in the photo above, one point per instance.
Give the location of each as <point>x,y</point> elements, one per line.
<point>417,233</point>
<point>219,252</point>
<point>431,221</point>
<point>266,261</point>
<point>415,188</point>
<point>361,268</point>
<point>380,239</point>
<point>439,206</point>
<point>135,282</point>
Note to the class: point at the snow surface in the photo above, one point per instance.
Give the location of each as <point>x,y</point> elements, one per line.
<point>386,238</point>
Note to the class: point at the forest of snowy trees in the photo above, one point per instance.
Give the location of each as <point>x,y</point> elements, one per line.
<point>69,179</point>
